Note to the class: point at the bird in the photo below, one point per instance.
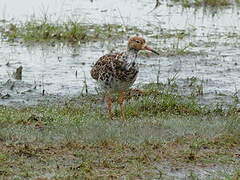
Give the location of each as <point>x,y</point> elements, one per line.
<point>117,72</point>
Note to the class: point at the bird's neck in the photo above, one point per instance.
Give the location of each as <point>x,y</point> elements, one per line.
<point>131,54</point>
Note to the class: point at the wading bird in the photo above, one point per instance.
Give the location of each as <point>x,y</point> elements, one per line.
<point>117,72</point>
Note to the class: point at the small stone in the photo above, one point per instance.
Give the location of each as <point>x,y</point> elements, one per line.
<point>18,74</point>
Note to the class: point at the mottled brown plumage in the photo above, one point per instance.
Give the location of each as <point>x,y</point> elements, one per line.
<point>114,73</point>
<point>117,72</point>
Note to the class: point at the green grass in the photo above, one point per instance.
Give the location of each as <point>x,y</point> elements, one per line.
<point>77,140</point>
<point>77,33</point>
<point>206,3</point>
<point>72,32</point>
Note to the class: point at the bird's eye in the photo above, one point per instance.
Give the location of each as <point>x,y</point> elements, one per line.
<point>137,41</point>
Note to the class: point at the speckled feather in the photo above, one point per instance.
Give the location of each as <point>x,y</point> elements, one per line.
<point>117,72</point>
<point>114,72</point>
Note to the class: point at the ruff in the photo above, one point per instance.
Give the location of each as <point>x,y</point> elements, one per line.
<point>117,72</point>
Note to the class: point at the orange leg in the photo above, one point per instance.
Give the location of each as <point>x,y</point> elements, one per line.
<point>108,100</point>
<point>121,102</point>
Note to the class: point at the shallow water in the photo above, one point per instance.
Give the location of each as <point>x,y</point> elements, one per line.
<point>62,71</point>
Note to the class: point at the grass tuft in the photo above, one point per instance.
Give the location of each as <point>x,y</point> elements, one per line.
<point>71,31</point>
<point>204,3</point>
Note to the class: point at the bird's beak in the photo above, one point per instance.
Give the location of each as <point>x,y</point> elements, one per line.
<point>150,49</point>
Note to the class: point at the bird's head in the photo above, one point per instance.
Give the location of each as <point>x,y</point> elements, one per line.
<point>138,43</point>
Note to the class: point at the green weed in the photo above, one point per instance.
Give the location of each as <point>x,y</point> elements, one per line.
<point>77,140</point>
<point>205,3</point>
<point>71,31</point>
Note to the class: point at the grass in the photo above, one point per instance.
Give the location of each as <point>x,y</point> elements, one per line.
<point>205,3</point>
<point>77,33</point>
<point>42,31</point>
<point>77,140</point>
<point>164,131</point>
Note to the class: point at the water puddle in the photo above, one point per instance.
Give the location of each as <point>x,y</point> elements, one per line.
<point>64,71</point>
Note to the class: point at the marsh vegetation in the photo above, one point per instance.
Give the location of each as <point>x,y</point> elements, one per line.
<point>210,3</point>
<point>184,125</point>
<point>161,130</point>
<point>44,31</point>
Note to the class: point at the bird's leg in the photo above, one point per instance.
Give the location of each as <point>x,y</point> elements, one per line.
<point>121,102</point>
<point>108,100</point>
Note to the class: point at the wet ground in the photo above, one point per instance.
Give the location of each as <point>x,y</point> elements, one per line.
<point>212,64</point>
<point>209,68</point>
